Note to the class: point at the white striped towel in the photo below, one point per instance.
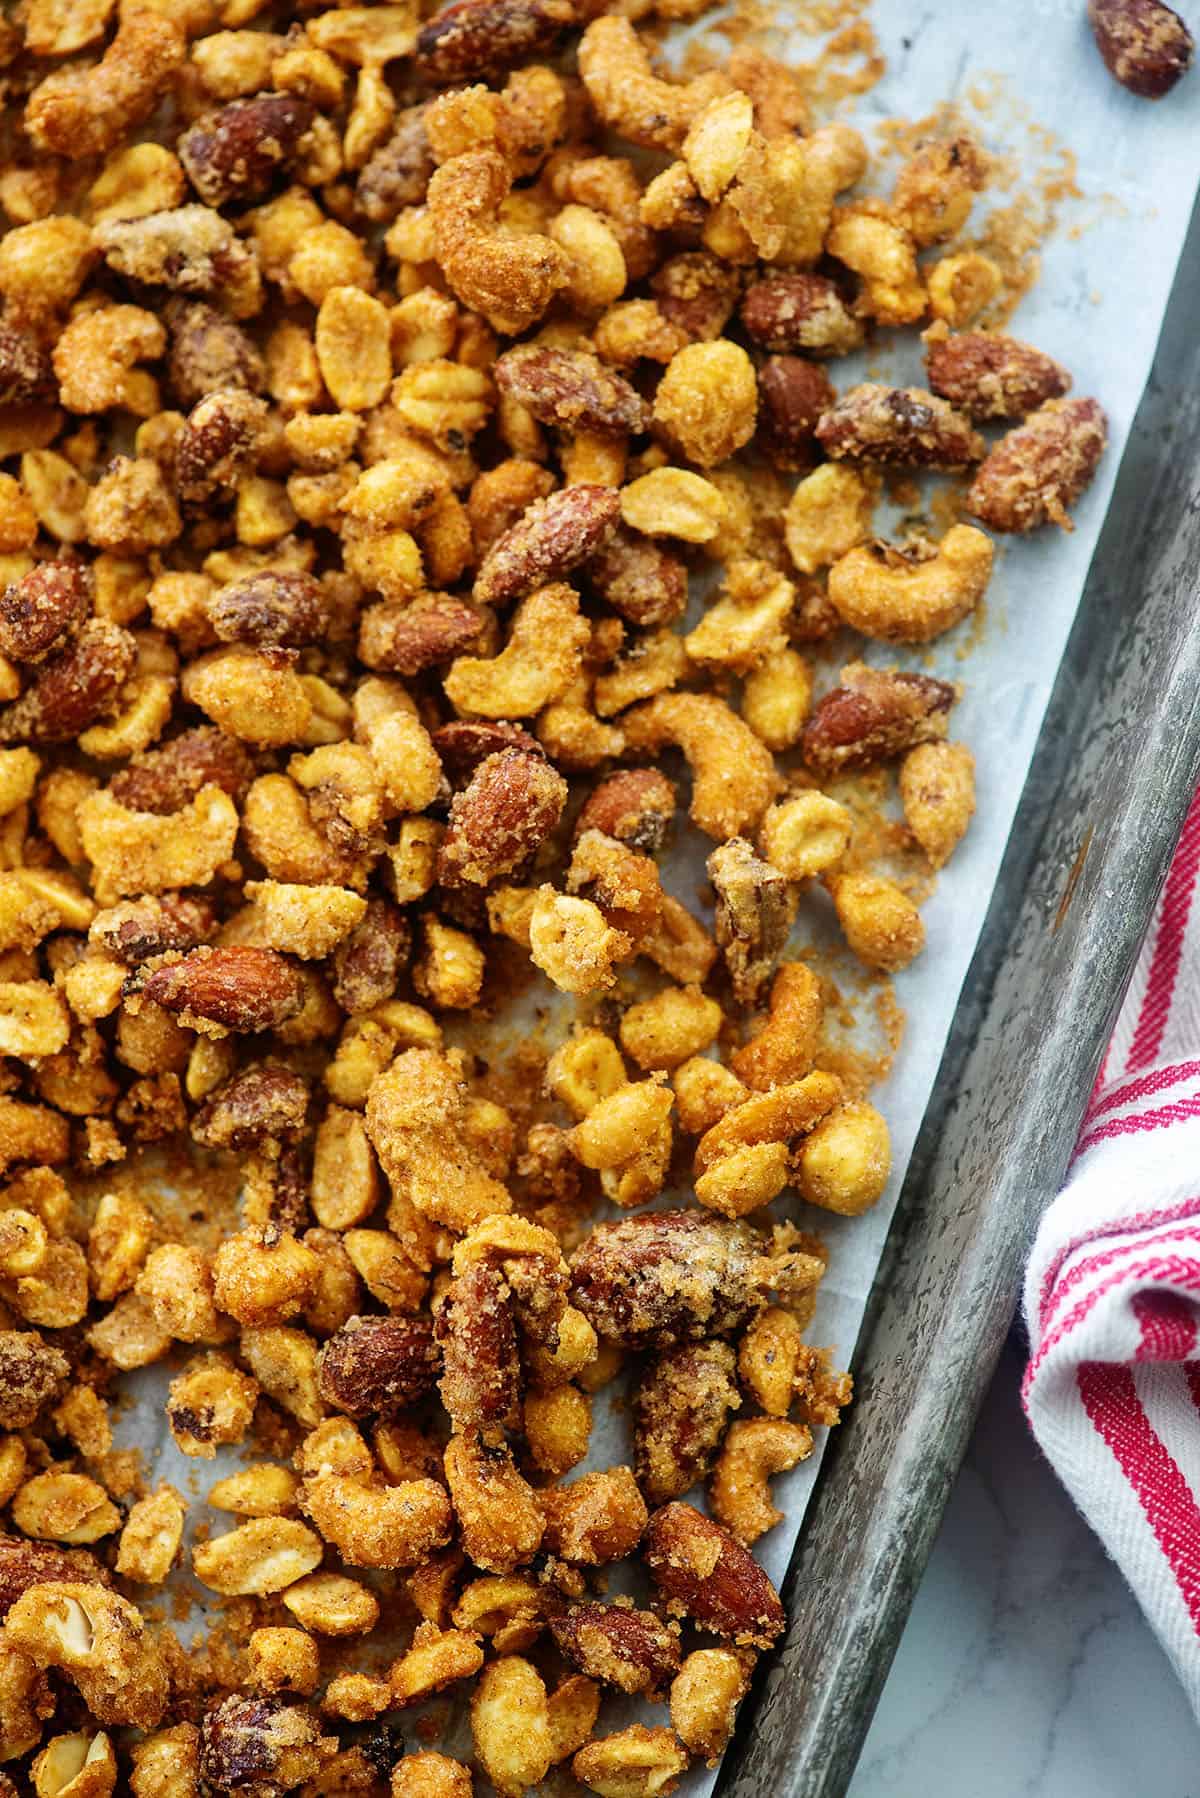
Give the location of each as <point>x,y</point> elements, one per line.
<point>1112,1294</point>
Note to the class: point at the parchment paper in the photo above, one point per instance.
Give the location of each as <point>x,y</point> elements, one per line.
<point>1098,305</point>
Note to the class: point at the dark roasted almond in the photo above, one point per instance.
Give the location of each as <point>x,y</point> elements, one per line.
<point>681,1408</point>
<point>218,444</point>
<point>636,806</point>
<point>571,389</point>
<point>209,353</point>
<point>639,579</point>
<point>700,1569</point>
<point>511,804</point>
<point>1145,45</point>
<point>367,963</point>
<point>406,637</point>
<point>874,715</point>
<point>631,1650</point>
<point>898,425</point>
<point>553,536</point>
<point>397,175</point>
<point>481,1372</point>
<point>73,687</point>
<point>756,907</point>
<point>465,742</point>
<point>236,153</point>
<point>239,987</point>
<point>286,611</point>
<point>990,375</point>
<point>253,1104</point>
<point>1036,472</point>
<point>472,40</point>
<point>800,312</point>
<point>156,924</point>
<point>32,1372</point>
<point>41,607</point>
<point>792,394</point>
<point>379,1365</point>
<point>697,293</point>
<point>168,779</point>
<point>26,369</point>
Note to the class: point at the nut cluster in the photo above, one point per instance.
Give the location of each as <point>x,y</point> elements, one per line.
<point>364,411</point>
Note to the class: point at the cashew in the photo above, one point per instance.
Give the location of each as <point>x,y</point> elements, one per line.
<point>843,1165</point>
<point>785,1048</point>
<point>541,659</point>
<point>879,920</point>
<point>630,97</point>
<point>913,595</point>
<point>510,279</point>
<point>733,774</point>
<point>100,1641</point>
<point>738,1490</point>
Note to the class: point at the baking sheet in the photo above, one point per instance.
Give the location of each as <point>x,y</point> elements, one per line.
<point>1105,278</point>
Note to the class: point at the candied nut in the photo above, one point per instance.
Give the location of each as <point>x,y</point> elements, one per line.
<point>282,1660</point>
<point>305,921</point>
<point>406,639</point>
<point>260,1742</point>
<point>571,941</point>
<point>988,375</point>
<point>906,425</point>
<point>914,594</point>
<point>151,1537</point>
<point>372,1525</point>
<point>481,1372</point>
<point>234,154</point>
<point>261,1491</point>
<point>77,1766</point>
<point>879,921</point>
<point>417,1120</point>
<point>638,579</point>
<point>329,1604</point>
<point>278,609</point>
<point>595,1519</point>
<point>1037,471</point>
<point>378,1365</point>
<point>510,1725</point>
<point>437,1658</point>
<point>26,370</point>
<point>792,394</point>
<point>828,514</point>
<point>732,773</point>
<point>705,1695</point>
<point>96,355</point>
<point>571,389</point>
<point>73,686</point>
<point>553,536</point>
<point>429,1775</point>
<point>681,1405</point>
<point>706,404</point>
<point>627,1137</point>
<point>100,1641</point>
<point>843,1164</point>
<point>635,1763</point>
<point>511,803</point>
<point>167,780</point>
<point>937,791</point>
<point>263,1277</point>
<point>367,962</point>
<point>674,502</point>
<point>259,1101</point>
<point>785,1048</point>
<point>717,141</point>
<point>670,1277</point>
<point>961,286</point>
<point>353,340</point>
<point>873,715</point>
<point>510,280</point>
<point>254,695</point>
<point>476,40</point>
<point>557,1426</point>
<point>739,1490</point>
<point>666,1030</point>
<point>746,623</point>
<point>210,1404</point>
<point>704,1092</point>
<point>266,1555</point>
<point>542,657</point>
<point>618,1645</point>
<point>629,97</point>
<point>499,1517</point>
<point>705,1574</point>
<point>238,988</point>
<point>64,1507</point>
<point>1145,45</point>
<point>635,806</point>
<point>800,312</point>
<point>86,111</point>
<point>756,907</point>
<point>696,293</point>
<point>37,610</point>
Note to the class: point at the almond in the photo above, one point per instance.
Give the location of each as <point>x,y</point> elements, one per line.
<point>258,1102</point>
<point>873,715</point>
<point>510,805</point>
<point>481,1374</point>
<point>406,638</point>
<point>1145,45</point>
<point>708,1576</point>
<point>1036,472</point>
<point>989,375</point>
<point>42,606</point>
<point>73,687</point>
<point>571,389</point>
<point>681,1406</point>
<point>168,779</point>
<point>553,536</point>
<point>697,293</point>
<point>236,153</point>
<point>904,425</point>
<point>238,987</point>
<point>800,312</point>
<point>639,579</point>
<point>472,40</point>
<point>378,1365</point>
<point>632,1650</point>
<point>287,611</point>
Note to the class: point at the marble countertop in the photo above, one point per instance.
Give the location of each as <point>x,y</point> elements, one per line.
<point>1026,1669</point>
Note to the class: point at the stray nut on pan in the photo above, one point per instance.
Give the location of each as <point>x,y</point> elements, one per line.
<point>425,535</point>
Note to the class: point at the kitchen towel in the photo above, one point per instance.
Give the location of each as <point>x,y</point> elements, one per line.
<point>1112,1294</point>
